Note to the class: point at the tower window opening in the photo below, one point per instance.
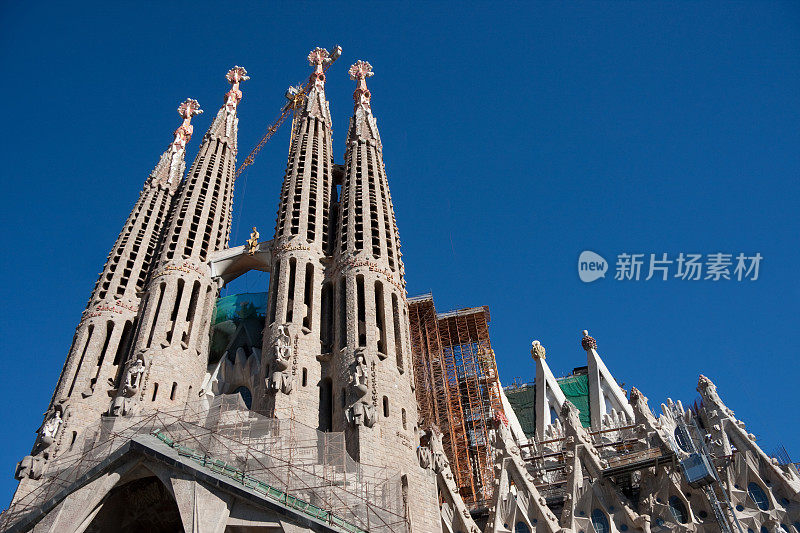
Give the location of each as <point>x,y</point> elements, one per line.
<point>124,342</point>
<point>362,320</point>
<point>274,296</point>
<point>343,314</point>
<point>80,361</point>
<point>173,391</point>
<point>155,314</point>
<point>290,298</point>
<point>398,334</point>
<point>386,406</point>
<point>175,308</point>
<point>305,377</point>
<point>155,391</point>
<point>109,331</point>
<point>326,328</point>
<point>307,294</point>
<point>190,312</point>
<point>326,405</point>
<point>380,317</point>
<point>403,415</point>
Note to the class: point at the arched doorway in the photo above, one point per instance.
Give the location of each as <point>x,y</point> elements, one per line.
<point>141,505</point>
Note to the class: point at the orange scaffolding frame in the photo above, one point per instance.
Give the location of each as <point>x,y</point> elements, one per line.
<point>458,389</point>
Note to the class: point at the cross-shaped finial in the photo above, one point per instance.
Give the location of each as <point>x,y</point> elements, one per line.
<point>360,71</point>
<point>236,75</point>
<point>189,108</point>
<point>318,57</point>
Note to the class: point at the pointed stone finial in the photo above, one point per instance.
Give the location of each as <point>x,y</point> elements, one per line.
<point>317,58</point>
<point>537,350</point>
<point>188,109</point>
<point>360,71</point>
<point>235,76</point>
<point>587,342</point>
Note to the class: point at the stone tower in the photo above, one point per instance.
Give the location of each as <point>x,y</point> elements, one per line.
<point>169,356</point>
<point>297,333</point>
<point>373,393</point>
<point>103,336</point>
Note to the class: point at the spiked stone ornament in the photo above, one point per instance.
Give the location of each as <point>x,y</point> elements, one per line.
<point>188,109</point>
<point>317,58</point>
<point>587,342</point>
<point>360,71</point>
<point>537,350</point>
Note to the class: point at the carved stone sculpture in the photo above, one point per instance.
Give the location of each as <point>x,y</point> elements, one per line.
<point>361,414</point>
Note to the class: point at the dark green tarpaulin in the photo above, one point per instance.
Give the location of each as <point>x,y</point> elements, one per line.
<point>522,400</point>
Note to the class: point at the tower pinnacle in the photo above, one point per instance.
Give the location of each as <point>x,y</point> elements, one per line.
<point>317,58</point>
<point>360,71</point>
<point>235,76</point>
<point>183,134</point>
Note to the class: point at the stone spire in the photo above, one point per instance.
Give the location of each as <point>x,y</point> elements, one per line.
<point>301,304</point>
<point>362,125</point>
<point>169,358</point>
<point>604,393</point>
<point>373,333</point>
<point>169,170</point>
<point>104,334</point>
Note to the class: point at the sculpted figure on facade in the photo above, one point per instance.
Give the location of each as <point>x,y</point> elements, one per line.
<point>125,402</point>
<point>281,378</point>
<point>361,414</point>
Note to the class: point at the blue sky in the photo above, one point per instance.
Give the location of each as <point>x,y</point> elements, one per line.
<point>515,137</point>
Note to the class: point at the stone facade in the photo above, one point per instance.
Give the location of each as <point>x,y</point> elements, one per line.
<point>335,367</point>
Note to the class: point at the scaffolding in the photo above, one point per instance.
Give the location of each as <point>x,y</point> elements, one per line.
<point>458,390</point>
<point>286,462</point>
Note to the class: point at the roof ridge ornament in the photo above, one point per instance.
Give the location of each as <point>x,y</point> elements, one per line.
<point>537,351</point>
<point>587,342</point>
<point>360,71</point>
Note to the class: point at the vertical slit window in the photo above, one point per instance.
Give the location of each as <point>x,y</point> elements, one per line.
<point>343,313</point>
<point>190,312</point>
<point>380,317</point>
<point>174,316</point>
<point>362,312</point>
<point>155,315</point>
<point>326,326</point>
<point>290,296</point>
<point>398,334</point>
<point>386,407</point>
<point>326,405</point>
<point>173,391</point>
<point>155,391</point>
<point>274,296</point>
<point>80,361</point>
<point>307,295</point>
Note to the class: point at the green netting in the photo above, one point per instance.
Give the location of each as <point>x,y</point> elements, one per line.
<point>523,400</point>
<point>240,306</point>
<point>234,312</point>
<point>576,389</point>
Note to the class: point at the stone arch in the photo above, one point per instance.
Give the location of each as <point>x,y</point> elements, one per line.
<point>144,504</point>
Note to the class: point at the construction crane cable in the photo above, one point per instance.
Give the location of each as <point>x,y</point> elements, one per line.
<point>289,108</point>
